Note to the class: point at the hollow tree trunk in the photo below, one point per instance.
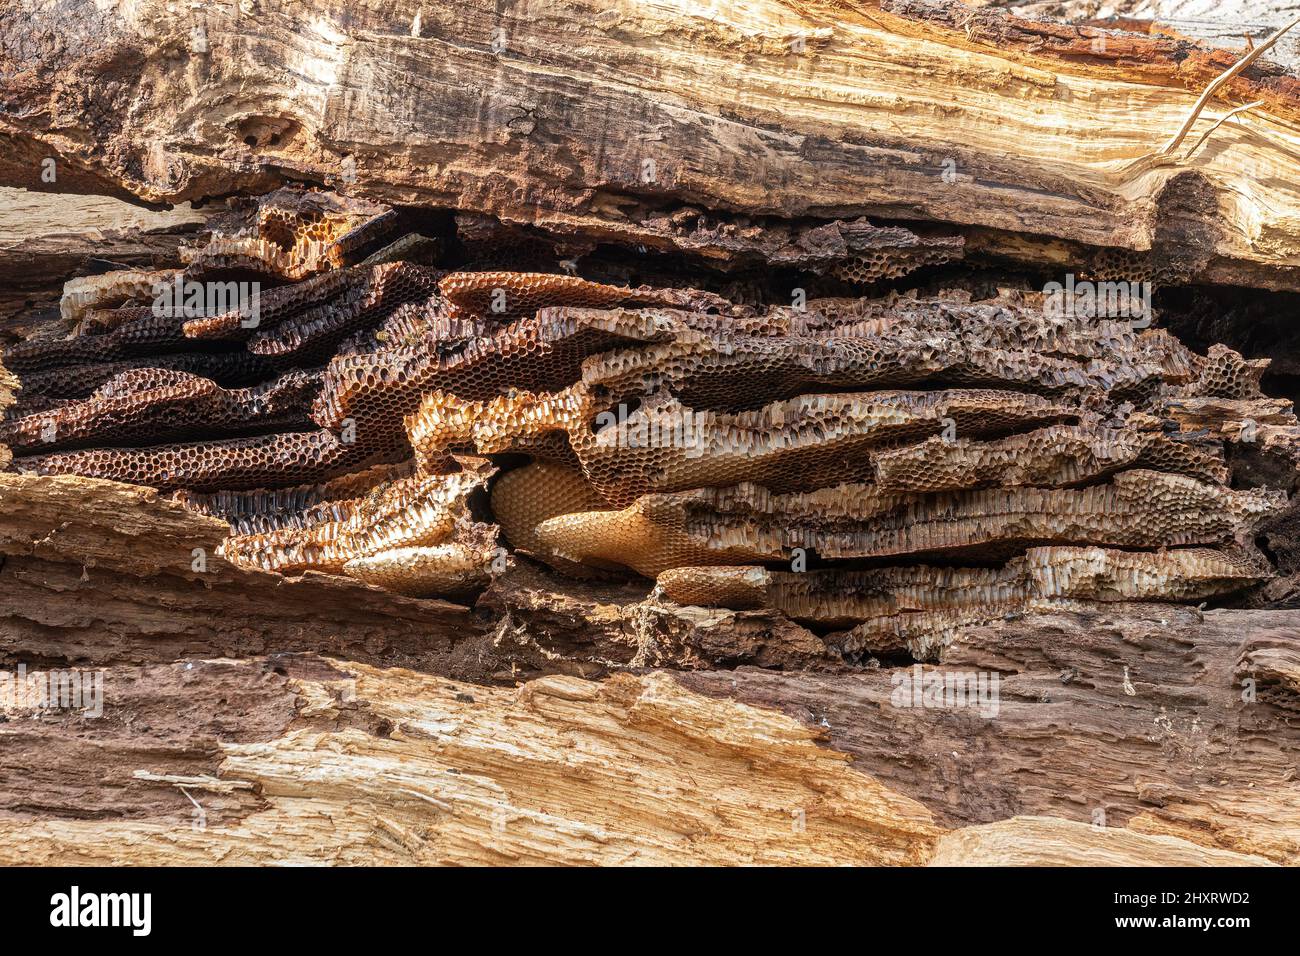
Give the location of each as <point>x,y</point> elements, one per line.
<point>253,718</point>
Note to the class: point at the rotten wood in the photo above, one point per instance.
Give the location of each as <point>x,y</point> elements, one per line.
<point>252,718</point>
<point>599,120</point>
<point>385,766</point>
<point>1157,718</point>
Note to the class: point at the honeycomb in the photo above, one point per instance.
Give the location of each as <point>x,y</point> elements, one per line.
<point>1225,374</point>
<point>888,264</point>
<point>1057,579</point>
<point>267,509</point>
<point>79,381</point>
<point>842,599</point>
<point>445,570</point>
<point>1121,265</point>
<point>649,537</point>
<point>430,350</point>
<point>747,524</point>
<point>525,497</point>
<point>103,292</point>
<point>811,440</point>
<point>275,306</point>
<point>917,606</point>
<point>376,293</point>
<point>513,294</point>
<point>1056,456</point>
<point>99,321</point>
<point>164,404</point>
<point>280,459</point>
<point>130,340</point>
<point>838,345</point>
<point>293,234</point>
<point>410,512</point>
<point>933,460</point>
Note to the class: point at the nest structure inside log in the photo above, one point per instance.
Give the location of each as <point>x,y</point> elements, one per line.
<point>881,468</point>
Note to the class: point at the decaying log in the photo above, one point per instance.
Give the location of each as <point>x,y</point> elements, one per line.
<point>384,592</point>
<point>1234,24</point>
<point>358,765</point>
<point>856,429</point>
<point>1158,719</point>
<point>605,122</point>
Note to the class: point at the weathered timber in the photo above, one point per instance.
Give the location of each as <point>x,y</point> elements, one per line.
<point>600,120</point>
